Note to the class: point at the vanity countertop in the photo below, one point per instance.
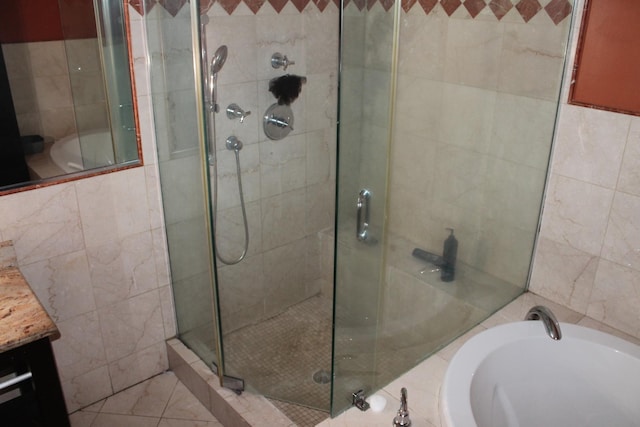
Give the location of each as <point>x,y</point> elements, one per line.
<point>22,317</point>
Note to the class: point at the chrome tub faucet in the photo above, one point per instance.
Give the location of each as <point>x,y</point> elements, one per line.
<point>551,325</point>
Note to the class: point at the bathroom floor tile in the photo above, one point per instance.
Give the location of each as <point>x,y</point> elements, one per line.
<point>161,401</point>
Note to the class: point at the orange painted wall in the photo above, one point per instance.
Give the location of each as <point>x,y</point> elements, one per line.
<point>24,21</point>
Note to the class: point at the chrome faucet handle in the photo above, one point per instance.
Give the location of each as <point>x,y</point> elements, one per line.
<point>279,60</point>
<point>235,112</point>
<point>402,419</point>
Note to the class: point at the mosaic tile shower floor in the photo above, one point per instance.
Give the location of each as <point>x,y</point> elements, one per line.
<point>279,356</point>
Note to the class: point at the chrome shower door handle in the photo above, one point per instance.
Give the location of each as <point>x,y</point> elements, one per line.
<point>362,204</point>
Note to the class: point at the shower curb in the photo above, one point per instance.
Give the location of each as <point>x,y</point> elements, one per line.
<point>246,410</point>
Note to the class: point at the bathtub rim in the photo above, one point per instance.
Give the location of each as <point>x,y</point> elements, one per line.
<point>470,356</point>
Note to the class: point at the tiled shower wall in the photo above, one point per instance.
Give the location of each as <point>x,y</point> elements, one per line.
<point>94,251</point>
<point>288,184</point>
<point>588,255</point>
<point>474,123</point>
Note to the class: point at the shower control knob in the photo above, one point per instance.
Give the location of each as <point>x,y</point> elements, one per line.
<point>235,112</point>
<point>279,60</point>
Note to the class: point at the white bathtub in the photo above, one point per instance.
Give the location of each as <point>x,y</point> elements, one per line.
<point>97,150</point>
<point>515,375</point>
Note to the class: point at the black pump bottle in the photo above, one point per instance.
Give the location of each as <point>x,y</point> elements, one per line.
<point>449,254</point>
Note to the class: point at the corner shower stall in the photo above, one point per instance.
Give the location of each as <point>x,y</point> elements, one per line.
<point>417,121</point>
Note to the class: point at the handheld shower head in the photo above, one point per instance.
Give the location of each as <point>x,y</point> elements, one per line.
<point>218,59</point>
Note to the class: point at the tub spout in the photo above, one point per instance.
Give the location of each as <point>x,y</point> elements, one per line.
<point>551,325</point>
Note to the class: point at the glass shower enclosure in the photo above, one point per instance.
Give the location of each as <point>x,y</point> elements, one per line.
<point>379,234</point>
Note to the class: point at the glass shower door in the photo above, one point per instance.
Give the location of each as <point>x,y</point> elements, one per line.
<point>184,177</point>
<point>367,84</point>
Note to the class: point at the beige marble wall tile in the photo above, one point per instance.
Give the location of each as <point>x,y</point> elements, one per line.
<point>476,107</point>
<point>131,325</point>
<point>285,34</point>
<point>121,270</point>
<point>43,223</point>
<point>238,33</point>
<point>241,290</point>
<point>230,233</point>
<point>473,50</point>
<point>320,97</point>
<point>229,195</point>
<point>245,95</point>
<point>576,214</point>
<point>283,219</point>
<point>62,284</point>
<point>282,165</point>
<point>590,145</point>
<point>86,389</point>
<point>522,131</point>
<point>322,39</point>
<point>622,239</point>
<point>423,45</point>
<point>168,311</point>
<point>563,274</point>
<point>138,366</point>
<point>629,179</point>
<point>58,122</point>
<point>320,203</point>
<point>320,156</point>
<point>419,107</point>
<point>80,349</point>
<point>528,53</point>
<point>53,92</point>
<point>614,300</point>
<point>284,271</point>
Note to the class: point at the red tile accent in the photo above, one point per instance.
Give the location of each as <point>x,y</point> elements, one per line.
<point>558,10</point>
<point>474,7</point>
<point>360,3</point>
<point>387,4</point>
<point>172,6</point>
<point>528,9</point>
<point>229,5</point>
<point>370,4</point>
<point>142,6</point>
<point>408,4</point>
<point>450,6</point>
<point>254,5</point>
<point>428,5</point>
<point>500,7</point>
<point>337,3</point>
<point>321,4</point>
<point>205,5</point>
<point>300,4</point>
<point>278,5</point>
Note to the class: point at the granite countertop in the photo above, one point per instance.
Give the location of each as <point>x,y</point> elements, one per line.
<point>22,317</point>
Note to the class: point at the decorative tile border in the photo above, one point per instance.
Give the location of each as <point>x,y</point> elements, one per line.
<point>557,10</point>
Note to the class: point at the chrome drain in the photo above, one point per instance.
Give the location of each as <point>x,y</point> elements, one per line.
<point>322,377</point>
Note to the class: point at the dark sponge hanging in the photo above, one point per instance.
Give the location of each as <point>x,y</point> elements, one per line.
<point>286,88</point>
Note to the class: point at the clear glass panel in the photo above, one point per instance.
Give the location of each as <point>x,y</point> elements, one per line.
<point>276,303</point>
<point>184,190</point>
<point>366,86</point>
<point>115,57</point>
<point>473,111</point>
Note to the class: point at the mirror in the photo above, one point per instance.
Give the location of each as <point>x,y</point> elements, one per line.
<point>67,108</point>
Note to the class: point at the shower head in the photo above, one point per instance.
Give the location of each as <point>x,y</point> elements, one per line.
<point>218,59</point>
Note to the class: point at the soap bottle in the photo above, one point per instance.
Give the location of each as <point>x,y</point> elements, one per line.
<point>449,254</point>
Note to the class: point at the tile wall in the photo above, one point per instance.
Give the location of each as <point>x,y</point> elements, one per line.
<point>56,86</point>
<point>288,184</point>
<point>588,255</point>
<point>94,251</point>
<point>468,91</point>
